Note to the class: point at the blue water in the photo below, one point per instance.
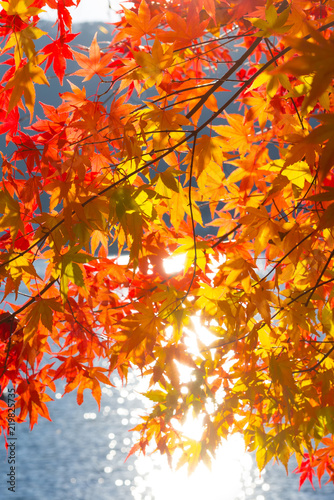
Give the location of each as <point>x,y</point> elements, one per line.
<point>81,455</point>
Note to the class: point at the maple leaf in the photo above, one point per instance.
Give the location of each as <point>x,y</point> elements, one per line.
<point>183,30</point>
<point>95,64</point>
<point>10,209</point>
<point>153,65</point>
<point>305,470</point>
<point>64,16</point>
<point>8,324</point>
<point>42,310</point>
<point>141,24</point>
<point>246,7</point>
<point>208,5</point>
<point>315,62</point>
<point>23,42</point>
<point>31,400</point>
<point>70,269</point>
<point>237,132</point>
<point>323,134</point>
<point>207,149</point>
<point>22,83</point>
<point>22,8</point>
<point>57,52</point>
<point>274,23</point>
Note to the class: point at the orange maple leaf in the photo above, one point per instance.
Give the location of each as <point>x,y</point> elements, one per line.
<point>95,64</point>
<point>141,24</point>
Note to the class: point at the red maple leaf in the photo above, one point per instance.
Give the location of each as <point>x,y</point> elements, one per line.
<point>57,52</point>
<point>305,470</point>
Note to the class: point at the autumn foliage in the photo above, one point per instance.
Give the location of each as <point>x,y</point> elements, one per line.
<point>246,194</point>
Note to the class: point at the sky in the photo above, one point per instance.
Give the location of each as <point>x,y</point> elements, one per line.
<point>91,11</point>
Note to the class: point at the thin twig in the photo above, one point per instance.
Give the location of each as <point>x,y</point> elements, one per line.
<point>314,367</point>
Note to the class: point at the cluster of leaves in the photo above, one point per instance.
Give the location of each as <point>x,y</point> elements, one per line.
<point>246,196</point>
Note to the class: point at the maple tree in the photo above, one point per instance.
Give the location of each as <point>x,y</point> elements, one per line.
<point>247,196</point>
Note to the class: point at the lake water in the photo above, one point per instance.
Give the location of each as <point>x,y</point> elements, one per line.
<point>81,455</point>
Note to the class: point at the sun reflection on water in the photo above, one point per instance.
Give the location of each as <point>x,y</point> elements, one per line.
<point>233,474</point>
<point>232,477</point>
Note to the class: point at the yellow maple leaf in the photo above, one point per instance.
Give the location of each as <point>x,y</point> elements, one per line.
<point>23,42</point>
<point>20,8</point>
<point>23,81</point>
<point>298,173</point>
<point>274,23</point>
<point>153,65</point>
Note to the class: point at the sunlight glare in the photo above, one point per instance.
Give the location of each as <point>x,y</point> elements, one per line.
<point>174,264</point>
<point>228,479</point>
<point>102,11</point>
